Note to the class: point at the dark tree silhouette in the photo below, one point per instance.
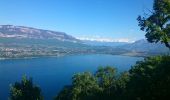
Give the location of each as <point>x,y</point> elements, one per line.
<point>157,23</point>
<point>150,79</point>
<point>25,90</point>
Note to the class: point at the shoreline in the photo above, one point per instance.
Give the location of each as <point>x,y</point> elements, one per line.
<point>123,54</point>
<point>15,58</point>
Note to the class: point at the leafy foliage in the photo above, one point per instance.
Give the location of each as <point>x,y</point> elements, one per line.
<point>157,24</point>
<point>65,93</point>
<point>25,90</point>
<point>84,87</point>
<point>107,81</point>
<point>147,80</point>
<point>103,85</point>
<point>150,79</point>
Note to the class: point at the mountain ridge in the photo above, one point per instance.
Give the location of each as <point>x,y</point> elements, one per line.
<point>11,31</point>
<point>144,46</point>
<point>21,41</point>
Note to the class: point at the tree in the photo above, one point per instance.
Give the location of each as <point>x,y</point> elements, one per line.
<point>105,84</point>
<point>113,84</point>
<point>121,83</point>
<point>150,79</point>
<point>107,81</point>
<point>157,24</point>
<point>25,90</point>
<point>106,76</point>
<point>65,94</point>
<point>84,87</point>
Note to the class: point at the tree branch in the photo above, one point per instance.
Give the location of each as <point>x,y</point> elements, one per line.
<point>167,44</point>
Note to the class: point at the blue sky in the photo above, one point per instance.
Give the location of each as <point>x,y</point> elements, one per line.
<point>113,19</point>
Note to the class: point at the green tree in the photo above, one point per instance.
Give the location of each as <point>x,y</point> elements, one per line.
<point>157,24</point>
<point>25,90</point>
<point>113,84</point>
<point>107,81</point>
<point>105,84</point>
<point>106,76</point>
<point>150,79</point>
<point>84,87</point>
<point>121,84</point>
<point>65,94</point>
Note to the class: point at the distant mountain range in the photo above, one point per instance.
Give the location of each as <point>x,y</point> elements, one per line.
<point>12,31</point>
<point>144,47</point>
<point>21,41</point>
<point>139,46</point>
<point>103,43</point>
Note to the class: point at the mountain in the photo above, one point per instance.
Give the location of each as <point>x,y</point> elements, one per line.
<point>138,48</point>
<point>144,47</point>
<point>11,31</point>
<point>21,41</point>
<point>102,43</point>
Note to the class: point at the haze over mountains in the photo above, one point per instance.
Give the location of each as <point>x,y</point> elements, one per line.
<point>21,41</point>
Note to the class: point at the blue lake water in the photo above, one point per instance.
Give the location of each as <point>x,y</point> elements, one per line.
<point>52,73</point>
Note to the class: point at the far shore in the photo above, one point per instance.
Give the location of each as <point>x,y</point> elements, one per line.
<point>126,54</point>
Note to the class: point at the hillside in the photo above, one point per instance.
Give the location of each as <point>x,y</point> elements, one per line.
<point>11,31</point>
<point>143,47</point>
<point>21,42</point>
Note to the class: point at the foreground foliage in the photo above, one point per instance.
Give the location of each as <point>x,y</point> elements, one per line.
<point>156,23</point>
<point>147,80</point>
<point>150,79</point>
<point>25,90</point>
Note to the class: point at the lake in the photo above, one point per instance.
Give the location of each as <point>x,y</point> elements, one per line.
<point>52,73</point>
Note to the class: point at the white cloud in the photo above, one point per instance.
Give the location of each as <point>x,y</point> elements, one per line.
<point>105,39</point>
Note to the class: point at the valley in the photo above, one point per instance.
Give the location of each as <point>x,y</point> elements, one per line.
<point>26,42</point>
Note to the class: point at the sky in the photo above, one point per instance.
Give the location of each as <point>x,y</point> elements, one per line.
<point>85,19</point>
